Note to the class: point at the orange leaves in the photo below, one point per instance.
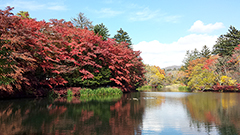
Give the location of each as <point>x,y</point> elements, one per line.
<point>193,63</point>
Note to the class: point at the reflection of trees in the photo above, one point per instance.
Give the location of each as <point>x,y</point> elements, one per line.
<point>60,117</point>
<point>215,109</point>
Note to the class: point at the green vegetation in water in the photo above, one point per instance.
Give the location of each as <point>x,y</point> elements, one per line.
<point>69,93</point>
<point>145,88</point>
<point>159,86</point>
<point>184,89</point>
<point>148,88</point>
<point>100,91</point>
<point>99,94</point>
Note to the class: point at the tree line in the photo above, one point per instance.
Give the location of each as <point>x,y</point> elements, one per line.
<point>45,55</point>
<point>216,69</point>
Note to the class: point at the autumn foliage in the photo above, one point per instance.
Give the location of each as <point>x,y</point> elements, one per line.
<point>55,53</point>
<point>214,73</point>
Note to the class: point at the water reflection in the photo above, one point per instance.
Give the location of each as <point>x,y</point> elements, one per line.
<point>75,116</point>
<point>219,110</point>
<point>135,113</point>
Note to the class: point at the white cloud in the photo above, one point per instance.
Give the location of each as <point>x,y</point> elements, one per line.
<point>145,14</point>
<point>163,55</point>
<point>108,12</point>
<point>29,5</point>
<point>57,7</point>
<point>199,27</point>
<point>34,5</point>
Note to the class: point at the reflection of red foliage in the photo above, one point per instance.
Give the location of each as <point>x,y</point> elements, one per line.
<point>58,110</point>
<point>27,111</point>
<point>86,115</point>
<point>62,91</point>
<point>209,117</point>
<point>74,100</point>
<point>117,106</point>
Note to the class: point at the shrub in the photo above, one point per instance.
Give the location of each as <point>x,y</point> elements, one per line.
<point>145,88</point>
<point>159,86</point>
<point>100,91</point>
<point>184,88</point>
<point>69,93</point>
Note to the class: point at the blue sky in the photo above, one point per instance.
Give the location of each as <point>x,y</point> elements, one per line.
<point>163,30</point>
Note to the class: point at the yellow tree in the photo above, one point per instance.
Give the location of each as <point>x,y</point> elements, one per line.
<point>201,78</point>
<point>153,75</point>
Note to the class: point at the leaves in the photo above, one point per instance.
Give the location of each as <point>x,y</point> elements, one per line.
<point>57,53</point>
<point>154,75</point>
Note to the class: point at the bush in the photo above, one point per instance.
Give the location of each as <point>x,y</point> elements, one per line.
<point>184,88</point>
<point>159,86</point>
<point>145,88</point>
<point>100,91</point>
<point>69,93</point>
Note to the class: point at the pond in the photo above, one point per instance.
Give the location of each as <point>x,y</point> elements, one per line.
<point>129,114</point>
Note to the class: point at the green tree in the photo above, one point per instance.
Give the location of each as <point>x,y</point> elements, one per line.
<point>5,66</point>
<point>102,30</point>
<point>226,43</point>
<point>205,52</point>
<point>82,22</point>
<point>189,56</point>
<point>122,36</point>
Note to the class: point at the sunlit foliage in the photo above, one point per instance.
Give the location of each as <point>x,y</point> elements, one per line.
<point>56,53</point>
<point>154,75</point>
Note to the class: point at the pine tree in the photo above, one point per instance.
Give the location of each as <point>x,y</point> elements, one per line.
<point>205,52</point>
<point>226,43</point>
<point>122,36</point>
<point>102,30</point>
<point>189,56</point>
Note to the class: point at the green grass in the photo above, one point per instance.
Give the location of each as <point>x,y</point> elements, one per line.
<point>159,86</point>
<point>148,88</point>
<point>184,89</point>
<point>100,91</point>
<point>145,88</point>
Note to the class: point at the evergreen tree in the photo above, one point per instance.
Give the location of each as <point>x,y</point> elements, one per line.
<point>122,36</point>
<point>189,56</point>
<point>226,43</point>
<point>102,30</point>
<point>205,52</point>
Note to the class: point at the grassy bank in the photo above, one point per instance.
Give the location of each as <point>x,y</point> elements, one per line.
<point>100,91</point>
<point>149,88</point>
<point>171,88</point>
<point>69,92</point>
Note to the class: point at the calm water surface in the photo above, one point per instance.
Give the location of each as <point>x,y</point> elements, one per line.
<point>170,113</point>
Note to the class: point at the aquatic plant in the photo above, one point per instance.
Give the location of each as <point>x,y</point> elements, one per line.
<point>145,88</point>
<point>100,91</point>
<point>184,88</point>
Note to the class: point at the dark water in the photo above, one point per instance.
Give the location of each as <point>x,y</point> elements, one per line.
<point>136,113</point>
